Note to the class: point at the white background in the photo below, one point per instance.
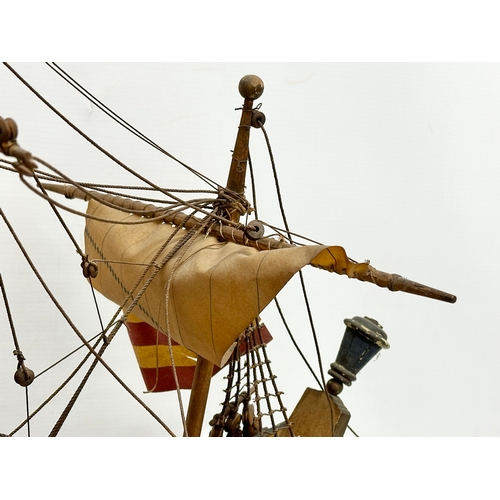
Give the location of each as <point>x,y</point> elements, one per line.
<point>380,117</point>
<point>398,163</point>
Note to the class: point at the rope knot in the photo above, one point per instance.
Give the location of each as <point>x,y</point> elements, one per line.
<point>19,355</point>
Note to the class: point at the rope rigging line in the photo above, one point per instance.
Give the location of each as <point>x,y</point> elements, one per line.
<point>185,248</point>
<point>105,339</point>
<point>59,389</point>
<point>28,412</point>
<point>110,337</point>
<point>292,338</point>
<point>74,328</point>
<point>63,74</point>
<point>301,275</point>
<point>9,315</point>
<point>88,216</point>
<point>252,180</point>
<point>106,188</point>
<point>285,221</point>
<point>100,335</point>
<point>91,141</point>
<point>306,299</point>
<point>61,220</point>
<point>17,352</point>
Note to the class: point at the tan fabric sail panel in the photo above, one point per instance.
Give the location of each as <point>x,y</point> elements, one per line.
<point>217,289</point>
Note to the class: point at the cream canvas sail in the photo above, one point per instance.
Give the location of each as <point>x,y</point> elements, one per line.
<point>214,292</point>
<point>209,291</point>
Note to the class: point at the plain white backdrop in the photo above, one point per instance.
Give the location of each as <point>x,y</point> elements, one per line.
<point>398,163</point>
<point>407,156</point>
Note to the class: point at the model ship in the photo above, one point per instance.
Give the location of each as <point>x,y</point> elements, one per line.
<point>191,278</point>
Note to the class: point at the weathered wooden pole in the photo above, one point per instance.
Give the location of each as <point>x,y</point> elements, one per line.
<point>251,88</point>
<point>393,282</point>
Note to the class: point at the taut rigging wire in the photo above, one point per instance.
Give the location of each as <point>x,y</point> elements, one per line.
<point>301,276</point>
<point>58,70</point>
<point>97,146</point>
<point>75,329</point>
<point>17,351</point>
<point>63,74</point>
<point>285,221</point>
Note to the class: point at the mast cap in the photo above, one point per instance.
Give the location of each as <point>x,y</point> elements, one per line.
<point>251,87</point>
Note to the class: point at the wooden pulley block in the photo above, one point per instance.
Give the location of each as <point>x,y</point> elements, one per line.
<point>258,119</point>
<point>90,269</point>
<point>254,230</point>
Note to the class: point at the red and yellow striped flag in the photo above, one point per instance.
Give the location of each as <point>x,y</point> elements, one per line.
<point>153,356</point>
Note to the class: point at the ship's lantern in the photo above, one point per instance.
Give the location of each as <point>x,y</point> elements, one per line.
<point>363,339</point>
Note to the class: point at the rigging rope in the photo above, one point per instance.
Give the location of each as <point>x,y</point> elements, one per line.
<point>74,328</point>
<point>301,276</point>
<point>195,231</point>
<point>58,70</point>
<point>197,205</point>
<point>17,352</point>
<point>91,141</point>
<point>81,346</point>
<point>285,221</point>
<point>322,384</point>
<point>58,215</point>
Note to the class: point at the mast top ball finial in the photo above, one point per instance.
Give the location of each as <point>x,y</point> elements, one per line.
<point>251,87</point>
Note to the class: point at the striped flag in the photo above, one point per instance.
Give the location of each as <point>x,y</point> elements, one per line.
<point>153,356</point>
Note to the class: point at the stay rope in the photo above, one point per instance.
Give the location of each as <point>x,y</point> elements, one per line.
<point>304,291</point>
<point>74,328</point>
<point>198,205</point>
<point>17,351</point>
<point>56,68</point>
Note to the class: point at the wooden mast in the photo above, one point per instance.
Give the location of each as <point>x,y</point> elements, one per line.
<point>250,87</point>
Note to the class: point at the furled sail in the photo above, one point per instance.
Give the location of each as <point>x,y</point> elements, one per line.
<point>204,297</point>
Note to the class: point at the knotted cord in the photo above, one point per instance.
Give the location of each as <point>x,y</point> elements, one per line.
<point>17,352</point>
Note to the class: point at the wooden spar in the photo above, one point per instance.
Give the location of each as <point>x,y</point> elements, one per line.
<point>393,282</point>
<point>227,232</point>
<point>396,283</point>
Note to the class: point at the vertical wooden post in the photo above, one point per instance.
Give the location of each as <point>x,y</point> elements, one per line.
<point>250,88</point>
<point>199,395</point>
